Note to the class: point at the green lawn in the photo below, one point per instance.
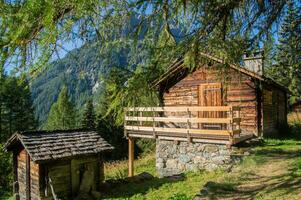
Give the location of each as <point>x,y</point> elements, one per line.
<point>272,171</point>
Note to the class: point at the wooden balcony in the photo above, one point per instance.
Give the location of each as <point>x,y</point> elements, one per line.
<point>210,124</point>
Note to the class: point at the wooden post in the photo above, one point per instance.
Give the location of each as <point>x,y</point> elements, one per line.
<point>131,157</point>
<point>231,126</point>
<point>27,177</point>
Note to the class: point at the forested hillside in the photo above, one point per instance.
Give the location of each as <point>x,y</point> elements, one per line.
<point>80,71</point>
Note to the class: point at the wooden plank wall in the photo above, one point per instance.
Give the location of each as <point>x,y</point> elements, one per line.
<point>60,175</point>
<point>238,90</point>
<point>22,173</point>
<point>274,110</point>
<point>34,181</point>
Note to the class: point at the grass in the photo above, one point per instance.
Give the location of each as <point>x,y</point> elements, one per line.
<point>272,171</point>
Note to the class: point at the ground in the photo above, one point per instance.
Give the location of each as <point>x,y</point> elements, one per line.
<point>271,171</point>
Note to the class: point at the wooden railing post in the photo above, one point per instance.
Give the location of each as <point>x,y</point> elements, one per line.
<point>125,123</point>
<point>131,157</point>
<point>154,124</point>
<point>188,125</point>
<point>231,124</point>
<point>238,116</point>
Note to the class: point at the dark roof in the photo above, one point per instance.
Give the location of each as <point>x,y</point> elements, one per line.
<point>52,145</point>
<point>178,68</point>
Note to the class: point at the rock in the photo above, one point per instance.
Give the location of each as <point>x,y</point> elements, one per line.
<point>160,165</point>
<point>246,153</point>
<point>219,160</point>
<point>184,158</point>
<point>198,159</point>
<point>145,176</point>
<point>177,157</point>
<point>211,148</point>
<point>200,148</point>
<point>159,160</point>
<point>192,167</point>
<point>171,163</point>
<point>182,149</point>
<point>211,167</point>
<point>181,167</point>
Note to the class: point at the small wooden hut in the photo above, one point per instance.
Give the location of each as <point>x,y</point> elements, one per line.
<point>57,164</point>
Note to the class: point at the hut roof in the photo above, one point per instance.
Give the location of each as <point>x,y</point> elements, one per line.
<point>52,145</point>
<point>177,71</point>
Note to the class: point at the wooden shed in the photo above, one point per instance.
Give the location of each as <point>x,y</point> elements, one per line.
<point>56,164</point>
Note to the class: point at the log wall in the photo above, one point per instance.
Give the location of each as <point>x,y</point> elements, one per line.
<point>238,90</point>
<point>60,176</point>
<point>22,173</point>
<point>68,177</point>
<point>274,110</point>
<point>34,181</point>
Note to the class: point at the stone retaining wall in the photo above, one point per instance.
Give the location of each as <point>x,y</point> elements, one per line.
<point>173,157</point>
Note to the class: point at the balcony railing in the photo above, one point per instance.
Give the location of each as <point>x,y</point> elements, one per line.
<point>191,122</point>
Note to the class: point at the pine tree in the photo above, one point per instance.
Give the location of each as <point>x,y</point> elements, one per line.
<point>288,57</point>
<point>62,113</point>
<point>16,109</point>
<point>88,121</point>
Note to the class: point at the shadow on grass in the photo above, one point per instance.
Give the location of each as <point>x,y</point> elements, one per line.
<point>125,188</point>
<point>250,185</point>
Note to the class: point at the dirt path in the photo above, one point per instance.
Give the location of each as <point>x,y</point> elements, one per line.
<point>271,180</point>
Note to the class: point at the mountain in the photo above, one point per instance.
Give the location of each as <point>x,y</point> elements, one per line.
<point>79,70</point>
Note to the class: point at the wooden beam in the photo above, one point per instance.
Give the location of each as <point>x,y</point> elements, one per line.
<point>182,119</point>
<point>131,157</point>
<point>177,130</point>
<point>180,108</point>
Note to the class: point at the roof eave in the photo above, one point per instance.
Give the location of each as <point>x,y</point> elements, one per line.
<point>179,63</point>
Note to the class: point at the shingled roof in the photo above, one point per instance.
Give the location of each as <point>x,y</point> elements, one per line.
<point>52,145</point>
<point>178,67</point>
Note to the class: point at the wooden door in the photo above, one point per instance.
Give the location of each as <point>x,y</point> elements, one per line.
<point>210,94</point>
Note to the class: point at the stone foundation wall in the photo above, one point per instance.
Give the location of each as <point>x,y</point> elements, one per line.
<point>174,157</point>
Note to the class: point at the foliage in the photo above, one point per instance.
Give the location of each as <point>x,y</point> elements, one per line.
<point>62,113</point>
<point>65,20</point>
<point>5,171</point>
<point>287,68</point>
<point>16,110</point>
<point>79,71</point>
<point>179,196</point>
<point>88,121</point>
<point>114,135</point>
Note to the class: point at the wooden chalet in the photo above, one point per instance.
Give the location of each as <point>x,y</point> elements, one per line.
<point>57,164</point>
<point>211,104</point>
